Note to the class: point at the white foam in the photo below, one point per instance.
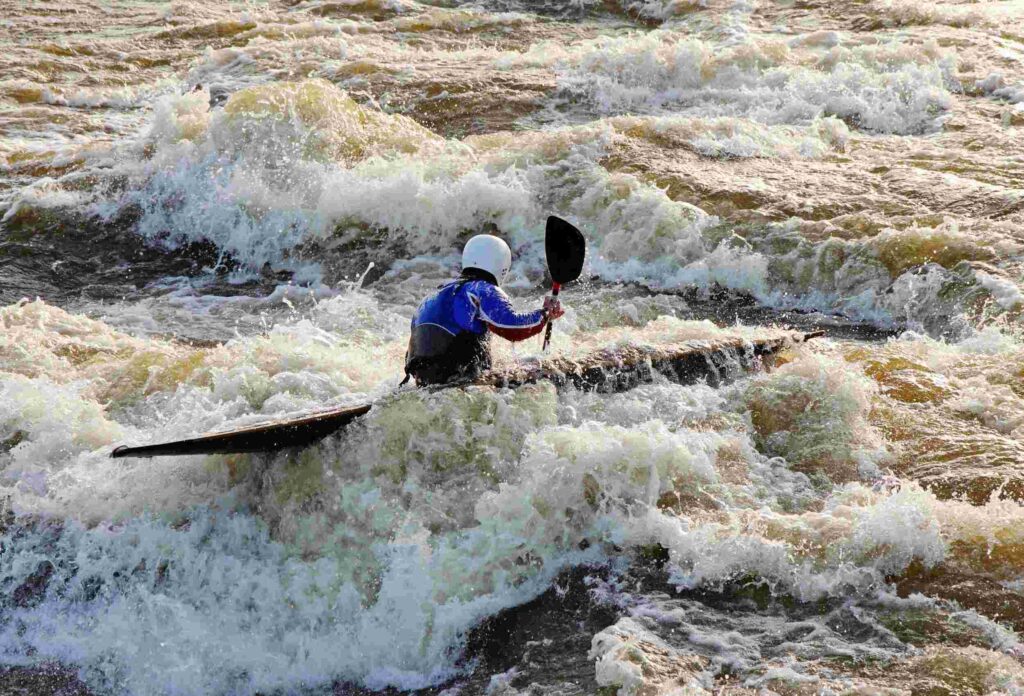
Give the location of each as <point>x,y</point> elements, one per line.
<point>996,85</point>
<point>307,628</point>
<point>1003,290</point>
<point>661,72</point>
<point>44,193</point>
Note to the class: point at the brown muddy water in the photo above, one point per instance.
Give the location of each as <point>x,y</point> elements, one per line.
<point>217,213</point>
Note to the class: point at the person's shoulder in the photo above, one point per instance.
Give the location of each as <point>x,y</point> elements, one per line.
<point>483,287</point>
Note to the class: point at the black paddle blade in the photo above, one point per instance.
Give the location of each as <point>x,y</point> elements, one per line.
<point>566,250</point>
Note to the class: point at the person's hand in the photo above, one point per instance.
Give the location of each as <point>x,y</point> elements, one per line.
<point>553,307</point>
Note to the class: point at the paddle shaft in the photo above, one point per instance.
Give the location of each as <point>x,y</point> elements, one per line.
<point>555,287</point>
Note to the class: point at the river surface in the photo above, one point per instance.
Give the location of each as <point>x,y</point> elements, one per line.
<point>214,213</point>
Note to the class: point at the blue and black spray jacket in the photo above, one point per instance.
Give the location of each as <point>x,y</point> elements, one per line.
<point>451,328</point>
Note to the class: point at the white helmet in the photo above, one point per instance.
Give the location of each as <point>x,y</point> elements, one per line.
<point>488,253</point>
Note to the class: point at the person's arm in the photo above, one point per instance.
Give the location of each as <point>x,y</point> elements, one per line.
<point>496,311</point>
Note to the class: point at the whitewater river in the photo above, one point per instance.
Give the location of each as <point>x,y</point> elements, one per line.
<point>218,212</point>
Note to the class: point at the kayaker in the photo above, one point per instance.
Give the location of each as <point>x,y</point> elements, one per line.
<point>451,329</point>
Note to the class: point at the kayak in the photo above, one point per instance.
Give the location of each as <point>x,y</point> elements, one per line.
<point>625,367</point>
<point>607,370</point>
<point>263,437</point>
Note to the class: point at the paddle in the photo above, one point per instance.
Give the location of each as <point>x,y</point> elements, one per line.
<point>566,249</point>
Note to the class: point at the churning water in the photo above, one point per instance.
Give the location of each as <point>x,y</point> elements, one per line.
<point>216,213</point>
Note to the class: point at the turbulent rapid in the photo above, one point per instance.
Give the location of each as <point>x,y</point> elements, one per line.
<point>216,214</point>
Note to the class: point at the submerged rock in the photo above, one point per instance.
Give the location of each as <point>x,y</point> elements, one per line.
<point>31,591</point>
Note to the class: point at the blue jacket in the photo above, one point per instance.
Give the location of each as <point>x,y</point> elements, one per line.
<point>477,306</point>
<point>450,329</point>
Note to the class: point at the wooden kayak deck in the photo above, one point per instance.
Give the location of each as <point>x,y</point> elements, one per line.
<point>606,370</point>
